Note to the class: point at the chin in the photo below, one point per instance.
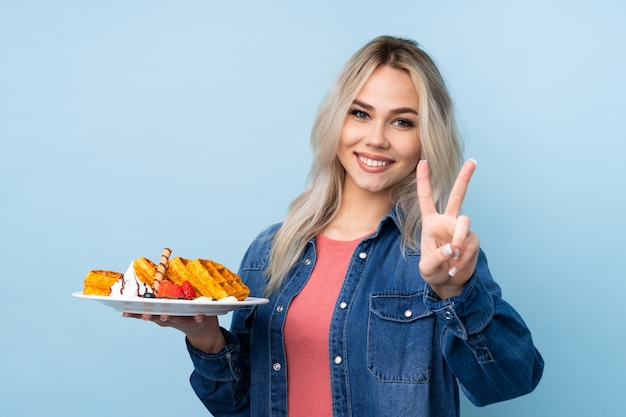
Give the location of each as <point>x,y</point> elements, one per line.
<point>375,188</point>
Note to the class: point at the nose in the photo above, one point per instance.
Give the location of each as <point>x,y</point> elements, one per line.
<point>376,137</point>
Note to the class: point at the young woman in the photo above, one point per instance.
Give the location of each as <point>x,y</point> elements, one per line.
<point>381,301</point>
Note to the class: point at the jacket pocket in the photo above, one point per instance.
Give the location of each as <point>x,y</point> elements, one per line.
<point>400,338</point>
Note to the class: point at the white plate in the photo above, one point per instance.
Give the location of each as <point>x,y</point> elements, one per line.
<point>172,307</point>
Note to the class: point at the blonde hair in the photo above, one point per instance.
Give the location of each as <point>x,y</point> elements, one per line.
<point>312,210</point>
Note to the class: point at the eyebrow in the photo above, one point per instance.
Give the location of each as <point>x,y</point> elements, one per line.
<point>400,110</point>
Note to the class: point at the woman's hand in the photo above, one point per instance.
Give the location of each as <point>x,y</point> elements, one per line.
<point>449,249</point>
<point>203,332</point>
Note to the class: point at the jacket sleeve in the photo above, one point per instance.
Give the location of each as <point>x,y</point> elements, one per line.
<point>485,342</point>
<point>221,380</point>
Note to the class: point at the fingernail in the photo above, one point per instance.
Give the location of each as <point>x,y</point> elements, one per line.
<point>446,250</point>
<point>163,318</point>
<point>457,252</point>
<point>452,271</point>
<point>124,314</point>
<point>473,160</point>
<point>199,319</point>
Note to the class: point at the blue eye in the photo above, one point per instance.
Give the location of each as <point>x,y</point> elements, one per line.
<point>404,123</point>
<point>359,114</point>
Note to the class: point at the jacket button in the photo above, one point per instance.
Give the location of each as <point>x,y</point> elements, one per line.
<point>276,366</point>
<point>279,309</point>
<point>448,315</point>
<point>362,255</point>
<point>307,262</point>
<point>343,305</point>
<point>408,313</point>
<point>338,360</point>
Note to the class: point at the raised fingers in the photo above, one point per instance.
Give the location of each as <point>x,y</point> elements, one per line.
<point>457,195</point>
<point>461,230</point>
<point>424,191</point>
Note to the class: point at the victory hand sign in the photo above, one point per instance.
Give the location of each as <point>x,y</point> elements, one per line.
<point>449,249</point>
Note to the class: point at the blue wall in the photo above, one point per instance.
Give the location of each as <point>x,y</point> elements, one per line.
<point>128,126</point>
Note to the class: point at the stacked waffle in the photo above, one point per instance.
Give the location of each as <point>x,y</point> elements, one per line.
<point>208,278</point>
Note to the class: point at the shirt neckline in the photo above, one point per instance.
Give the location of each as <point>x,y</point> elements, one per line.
<point>324,241</point>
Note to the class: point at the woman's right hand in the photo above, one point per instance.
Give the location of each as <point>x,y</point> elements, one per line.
<point>203,332</point>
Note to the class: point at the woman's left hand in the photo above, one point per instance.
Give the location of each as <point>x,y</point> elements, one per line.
<point>449,250</point>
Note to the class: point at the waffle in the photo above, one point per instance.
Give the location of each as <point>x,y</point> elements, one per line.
<point>208,278</point>
<point>145,270</point>
<point>177,271</point>
<point>98,282</point>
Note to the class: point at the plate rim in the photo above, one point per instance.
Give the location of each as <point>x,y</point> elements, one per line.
<point>193,307</point>
<point>247,301</point>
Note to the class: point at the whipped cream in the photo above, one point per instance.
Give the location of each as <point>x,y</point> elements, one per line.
<point>129,285</point>
<point>229,299</point>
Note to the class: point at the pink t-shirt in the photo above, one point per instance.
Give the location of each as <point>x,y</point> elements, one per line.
<point>306,330</point>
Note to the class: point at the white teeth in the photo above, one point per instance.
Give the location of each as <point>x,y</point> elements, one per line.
<point>373,163</point>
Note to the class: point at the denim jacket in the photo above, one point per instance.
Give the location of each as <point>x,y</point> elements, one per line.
<point>396,348</point>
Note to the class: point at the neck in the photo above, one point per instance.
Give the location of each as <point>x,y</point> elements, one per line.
<point>359,213</point>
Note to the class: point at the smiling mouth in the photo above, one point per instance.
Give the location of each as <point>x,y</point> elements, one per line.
<point>373,162</point>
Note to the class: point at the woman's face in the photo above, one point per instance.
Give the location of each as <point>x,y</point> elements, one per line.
<point>379,144</point>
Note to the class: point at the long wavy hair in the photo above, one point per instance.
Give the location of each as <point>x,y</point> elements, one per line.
<point>313,210</point>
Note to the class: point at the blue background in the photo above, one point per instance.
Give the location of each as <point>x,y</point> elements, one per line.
<point>128,126</point>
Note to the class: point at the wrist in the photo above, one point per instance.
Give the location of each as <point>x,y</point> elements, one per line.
<point>447,291</point>
<point>209,339</point>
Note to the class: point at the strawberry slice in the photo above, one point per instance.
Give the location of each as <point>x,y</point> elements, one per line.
<point>170,290</point>
<point>188,292</point>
